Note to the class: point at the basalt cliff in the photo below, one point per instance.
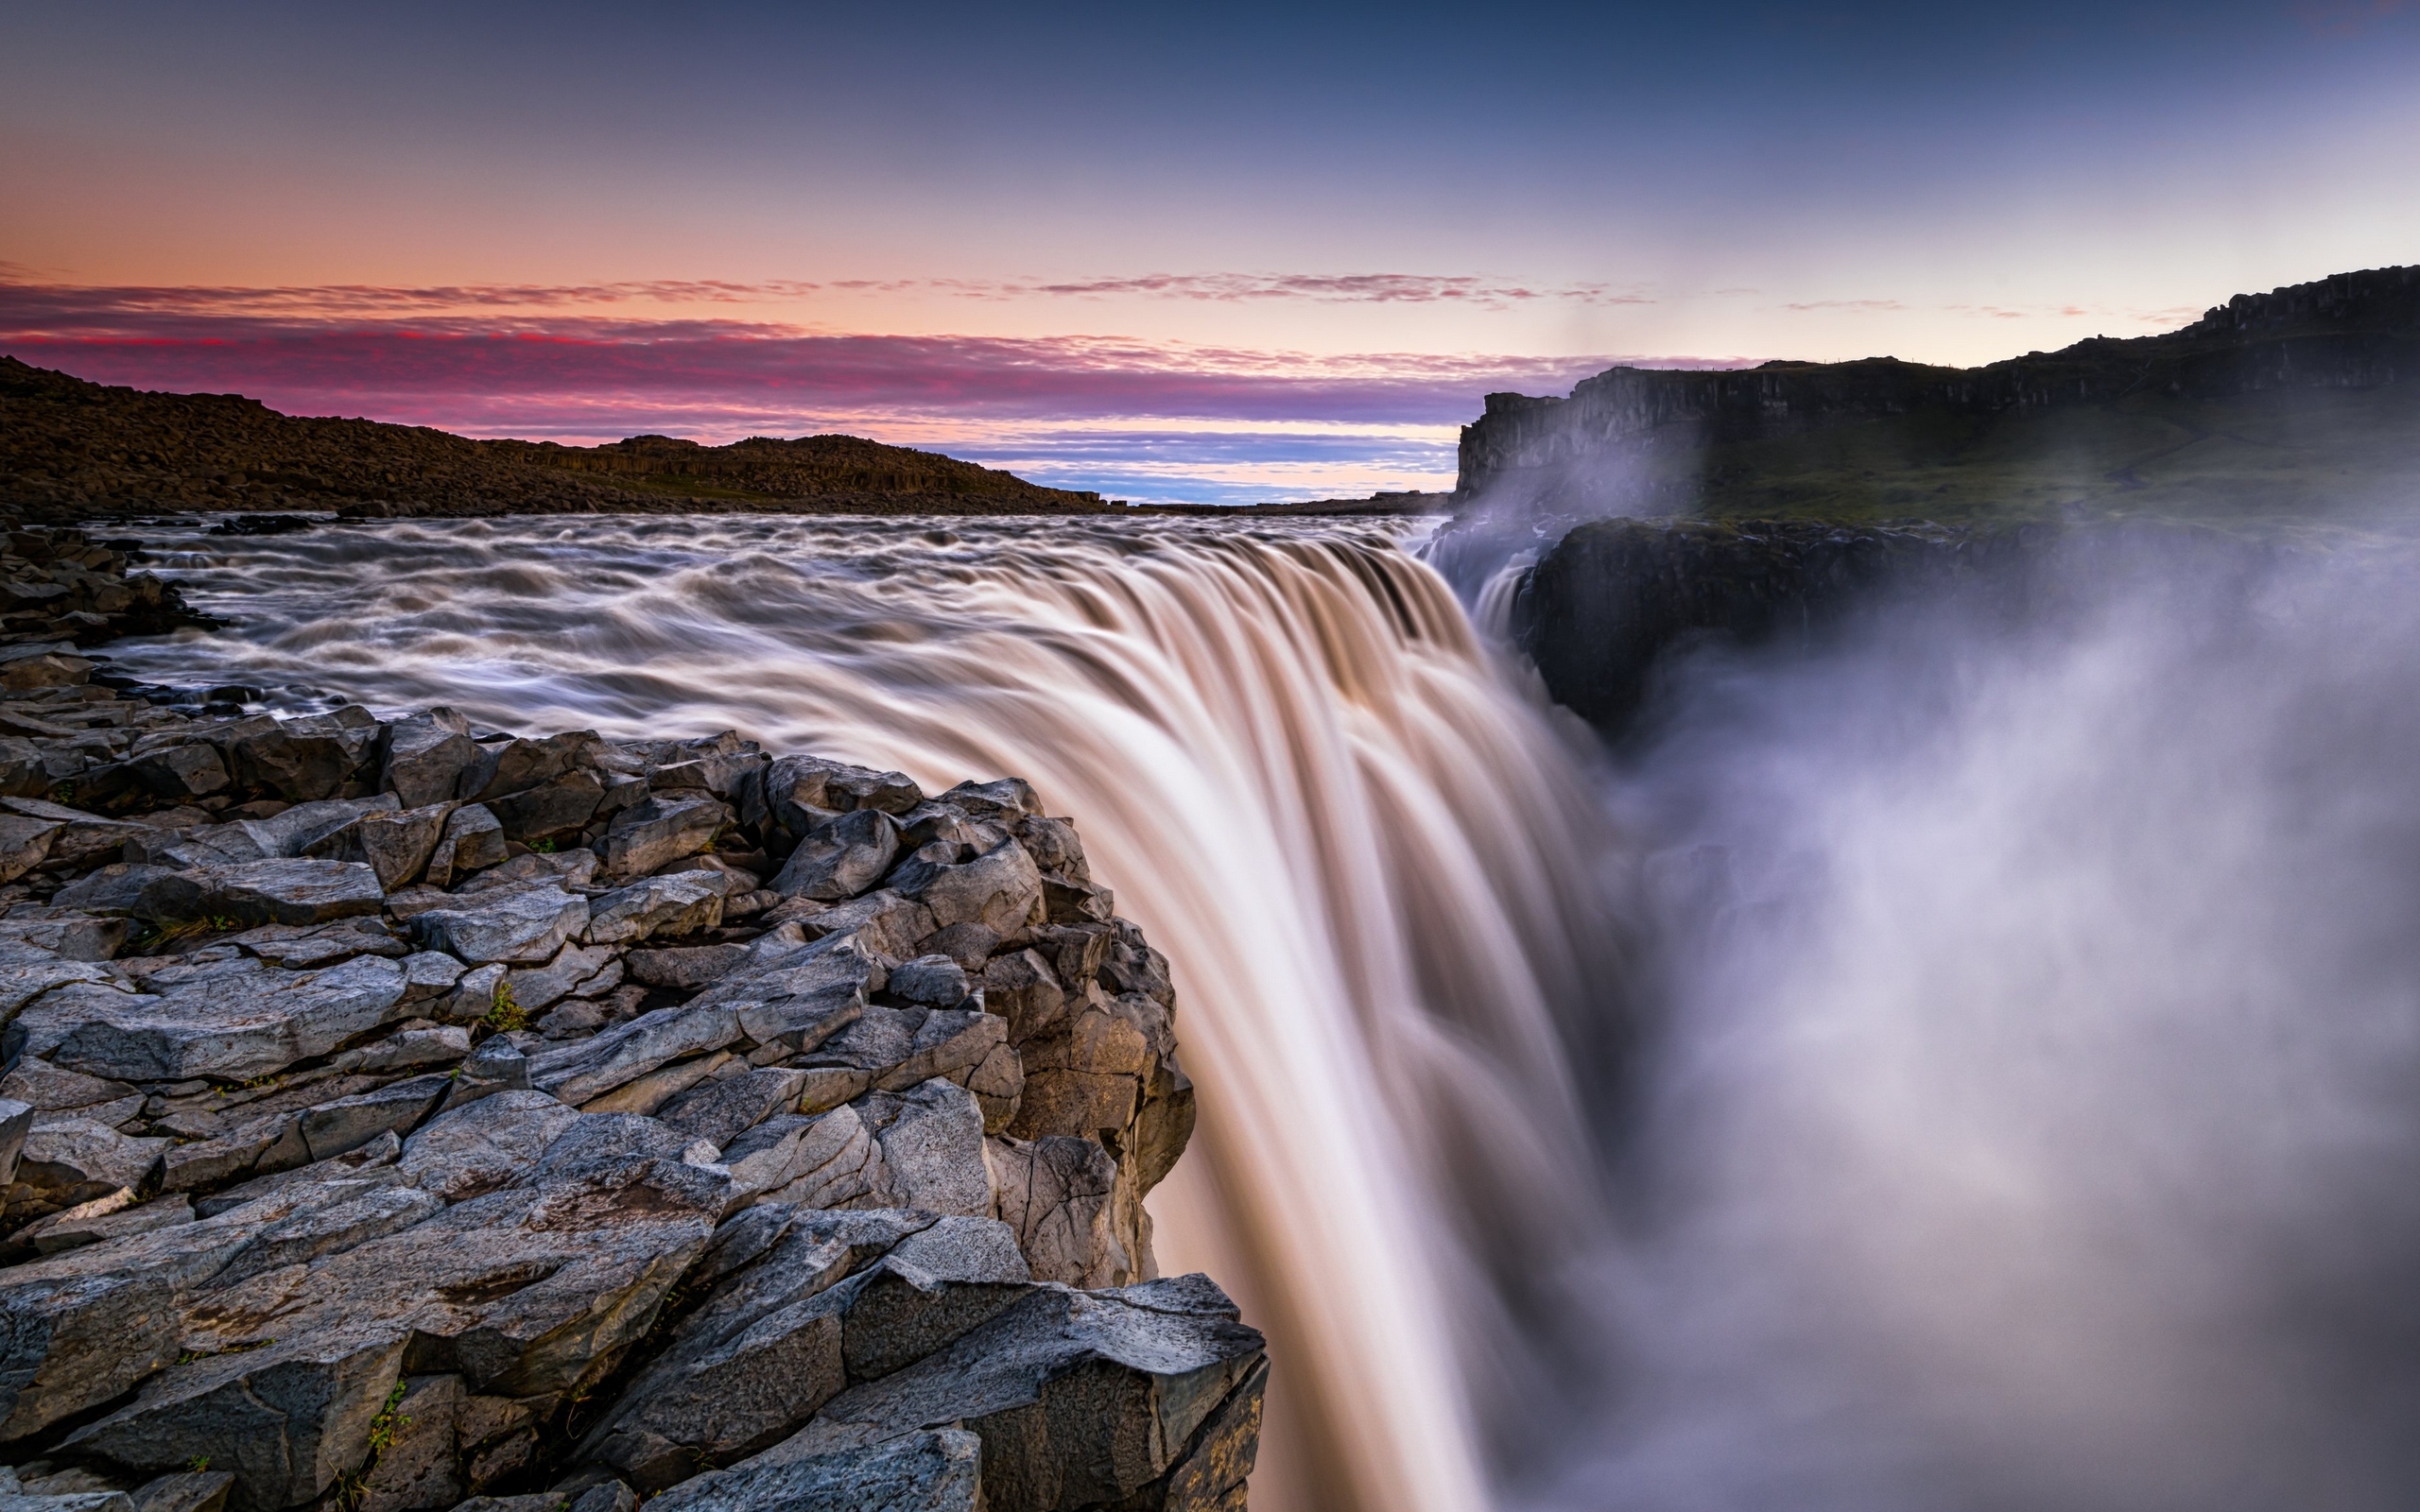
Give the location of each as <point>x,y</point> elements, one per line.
<point>400,1116</point>
<point>2299,401</point>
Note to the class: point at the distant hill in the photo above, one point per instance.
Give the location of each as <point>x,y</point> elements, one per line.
<point>2299,401</point>
<point>72,449</point>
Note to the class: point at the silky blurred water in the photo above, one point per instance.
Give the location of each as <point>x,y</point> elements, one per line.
<point>1969,1063</point>
<point>1368,859</point>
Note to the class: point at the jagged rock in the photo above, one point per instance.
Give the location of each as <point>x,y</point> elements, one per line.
<point>474,995</point>
<point>685,967</point>
<point>1055,848</point>
<point>644,1094</point>
<point>842,857</point>
<point>528,1290</point>
<point>24,844</point>
<point>570,870</point>
<point>16,1121</point>
<point>294,830</point>
<point>173,769</point>
<point>367,1210</point>
<point>784,1333</point>
<point>802,791</point>
<point>1055,1194</point>
<point>519,764</point>
<point>935,981</point>
<point>1004,800</point>
<point>795,1000</point>
<point>932,1148</point>
<point>1088,1074</point>
<point>1022,988</point>
<point>53,1092</point>
<point>588,1070</point>
<point>419,1471</point>
<point>471,840</point>
<point>891,1050</point>
<point>720,1111</point>
<point>679,902</point>
<point>282,892</point>
<point>436,1045</point>
<point>558,807</point>
<point>659,830</point>
<point>497,1066</point>
<point>348,1123</point>
<point>470,1149</point>
<point>998,1085</point>
<point>886,923</point>
<point>831,1160</point>
<point>82,838</point>
<point>396,845</point>
<point>931,1472</point>
<point>137,890</point>
<point>231,1027</point>
<point>538,987</point>
<point>429,974</point>
<point>74,1153</point>
<point>67,933</point>
<point>522,926</point>
<point>1069,902</point>
<point>302,947</point>
<point>73,1502</point>
<point>331,1224</point>
<point>1081,1398</point>
<point>115,1216</point>
<point>27,973</point>
<point>425,756</point>
<point>71,1339</point>
<point>362,1165</point>
<point>1000,889</point>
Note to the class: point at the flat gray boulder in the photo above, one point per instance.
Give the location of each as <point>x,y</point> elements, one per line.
<point>660,829</point>
<point>678,902</point>
<point>522,926</point>
<point>798,999</point>
<point>230,1028</point>
<point>588,1069</point>
<point>841,857</point>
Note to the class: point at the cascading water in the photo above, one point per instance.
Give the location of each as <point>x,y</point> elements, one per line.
<point>1370,865</point>
<point>2024,1109</point>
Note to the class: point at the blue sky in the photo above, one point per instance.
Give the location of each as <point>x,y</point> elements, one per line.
<point>1225,252</point>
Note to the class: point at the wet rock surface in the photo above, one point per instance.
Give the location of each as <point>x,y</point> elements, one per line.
<point>399,1117</point>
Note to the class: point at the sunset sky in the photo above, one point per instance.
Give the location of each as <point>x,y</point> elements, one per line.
<point>1229,253</point>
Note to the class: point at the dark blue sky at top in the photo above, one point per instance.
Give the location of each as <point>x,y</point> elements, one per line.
<point>1554,96</point>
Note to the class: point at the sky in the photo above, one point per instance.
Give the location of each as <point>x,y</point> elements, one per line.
<point>1224,252</point>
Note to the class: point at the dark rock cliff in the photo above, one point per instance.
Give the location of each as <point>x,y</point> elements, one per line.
<point>2249,400</point>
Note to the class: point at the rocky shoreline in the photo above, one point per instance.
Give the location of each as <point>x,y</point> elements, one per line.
<point>403,1116</point>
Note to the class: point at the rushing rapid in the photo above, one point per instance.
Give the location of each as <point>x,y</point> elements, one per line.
<point>1370,863</point>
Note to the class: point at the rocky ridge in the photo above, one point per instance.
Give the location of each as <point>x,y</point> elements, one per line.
<point>2289,399</point>
<point>401,1116</point>
<point>72,450</point>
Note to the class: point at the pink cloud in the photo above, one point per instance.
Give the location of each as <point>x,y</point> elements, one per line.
<point>543,372</point>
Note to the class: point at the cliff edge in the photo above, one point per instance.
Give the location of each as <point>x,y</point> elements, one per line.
<point>2298,400</point>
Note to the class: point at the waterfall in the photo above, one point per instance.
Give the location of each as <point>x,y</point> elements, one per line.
<point>1371,862</point>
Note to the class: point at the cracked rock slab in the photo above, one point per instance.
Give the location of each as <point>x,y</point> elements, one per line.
<point>232,1027</point>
